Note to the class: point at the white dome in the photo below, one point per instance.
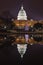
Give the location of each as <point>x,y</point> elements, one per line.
<point>22,14</point>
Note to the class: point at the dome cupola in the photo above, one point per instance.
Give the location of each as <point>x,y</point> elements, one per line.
<point>22,14</point>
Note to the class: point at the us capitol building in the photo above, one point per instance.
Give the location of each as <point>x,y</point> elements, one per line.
<point>21,31</point>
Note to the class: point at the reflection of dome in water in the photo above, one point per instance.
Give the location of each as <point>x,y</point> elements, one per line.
<point>22,14</point>
<point>22,49</point>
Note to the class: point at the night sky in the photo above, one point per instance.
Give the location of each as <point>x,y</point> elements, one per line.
<point>34,8</point>
<point>34,54</point>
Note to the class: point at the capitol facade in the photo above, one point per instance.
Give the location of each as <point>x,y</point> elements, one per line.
<point>21,31</point>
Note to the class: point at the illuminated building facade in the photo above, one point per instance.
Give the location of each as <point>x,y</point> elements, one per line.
<point>21,31</point>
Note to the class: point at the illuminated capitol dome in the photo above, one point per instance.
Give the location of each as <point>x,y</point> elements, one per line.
<point>22,14</point>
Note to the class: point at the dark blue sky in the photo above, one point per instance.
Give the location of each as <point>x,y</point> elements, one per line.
<point>34,8</point>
